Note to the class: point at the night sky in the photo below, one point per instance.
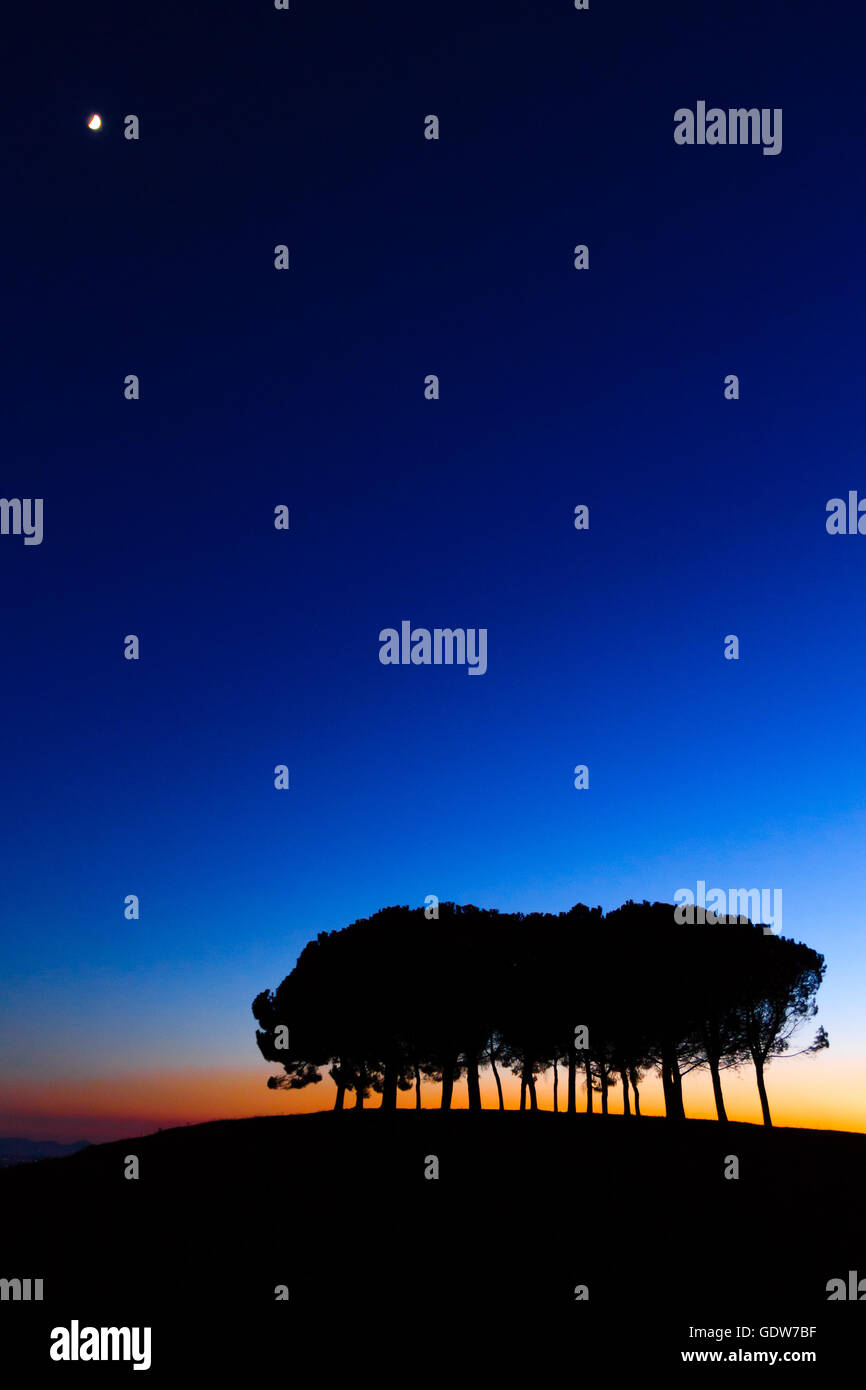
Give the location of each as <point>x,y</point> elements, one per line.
<point>305,388</point>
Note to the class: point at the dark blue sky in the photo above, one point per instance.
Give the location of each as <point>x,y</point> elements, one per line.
<point>558,387</point>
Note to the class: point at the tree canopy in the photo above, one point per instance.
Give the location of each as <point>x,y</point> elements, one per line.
<point>406,994</point>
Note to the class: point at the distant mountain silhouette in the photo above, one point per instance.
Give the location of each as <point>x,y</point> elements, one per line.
<point>29,1150</point>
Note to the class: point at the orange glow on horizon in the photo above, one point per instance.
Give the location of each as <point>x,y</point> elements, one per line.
<point>802,1094</point>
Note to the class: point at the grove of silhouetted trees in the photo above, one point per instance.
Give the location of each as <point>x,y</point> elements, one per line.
<point>598,999</point>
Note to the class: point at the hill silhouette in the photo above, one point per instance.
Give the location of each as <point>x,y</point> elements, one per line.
<point>526,1208</point>
<point>388,1219</point>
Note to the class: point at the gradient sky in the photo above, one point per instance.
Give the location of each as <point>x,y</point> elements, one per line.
<point>707,517</point>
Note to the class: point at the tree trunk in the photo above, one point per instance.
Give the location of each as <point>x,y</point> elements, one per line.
<point>533,1098</point>
<point>666,1086</point>
<point>417,1088</point>
<point>635,1092</point>
<point>572,1079</point>
<point>678,1089</point>
<point>588,1069</point>
<point>496,1075</point>
<point>389,1087</point>
<point>523,1090</point>
<point>676,1080</point>
<point>721,1112</point>
<point>623,1070</point>
<point>604,1086</point>
<point>472,1081</point>
<point>341,1091</point>
<point>359,1093</point>
<point>673,1086</point>
<point>762,1090</point>
<point>447,1085</point>
<point>555,1086</point>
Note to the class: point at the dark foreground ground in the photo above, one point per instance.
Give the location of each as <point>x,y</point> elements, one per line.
<point>469,1272</point>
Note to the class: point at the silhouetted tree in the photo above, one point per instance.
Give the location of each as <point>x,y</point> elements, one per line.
<point>779,985</point>
<point>399,996</point>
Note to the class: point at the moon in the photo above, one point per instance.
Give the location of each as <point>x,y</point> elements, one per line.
<point>95,122</point>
